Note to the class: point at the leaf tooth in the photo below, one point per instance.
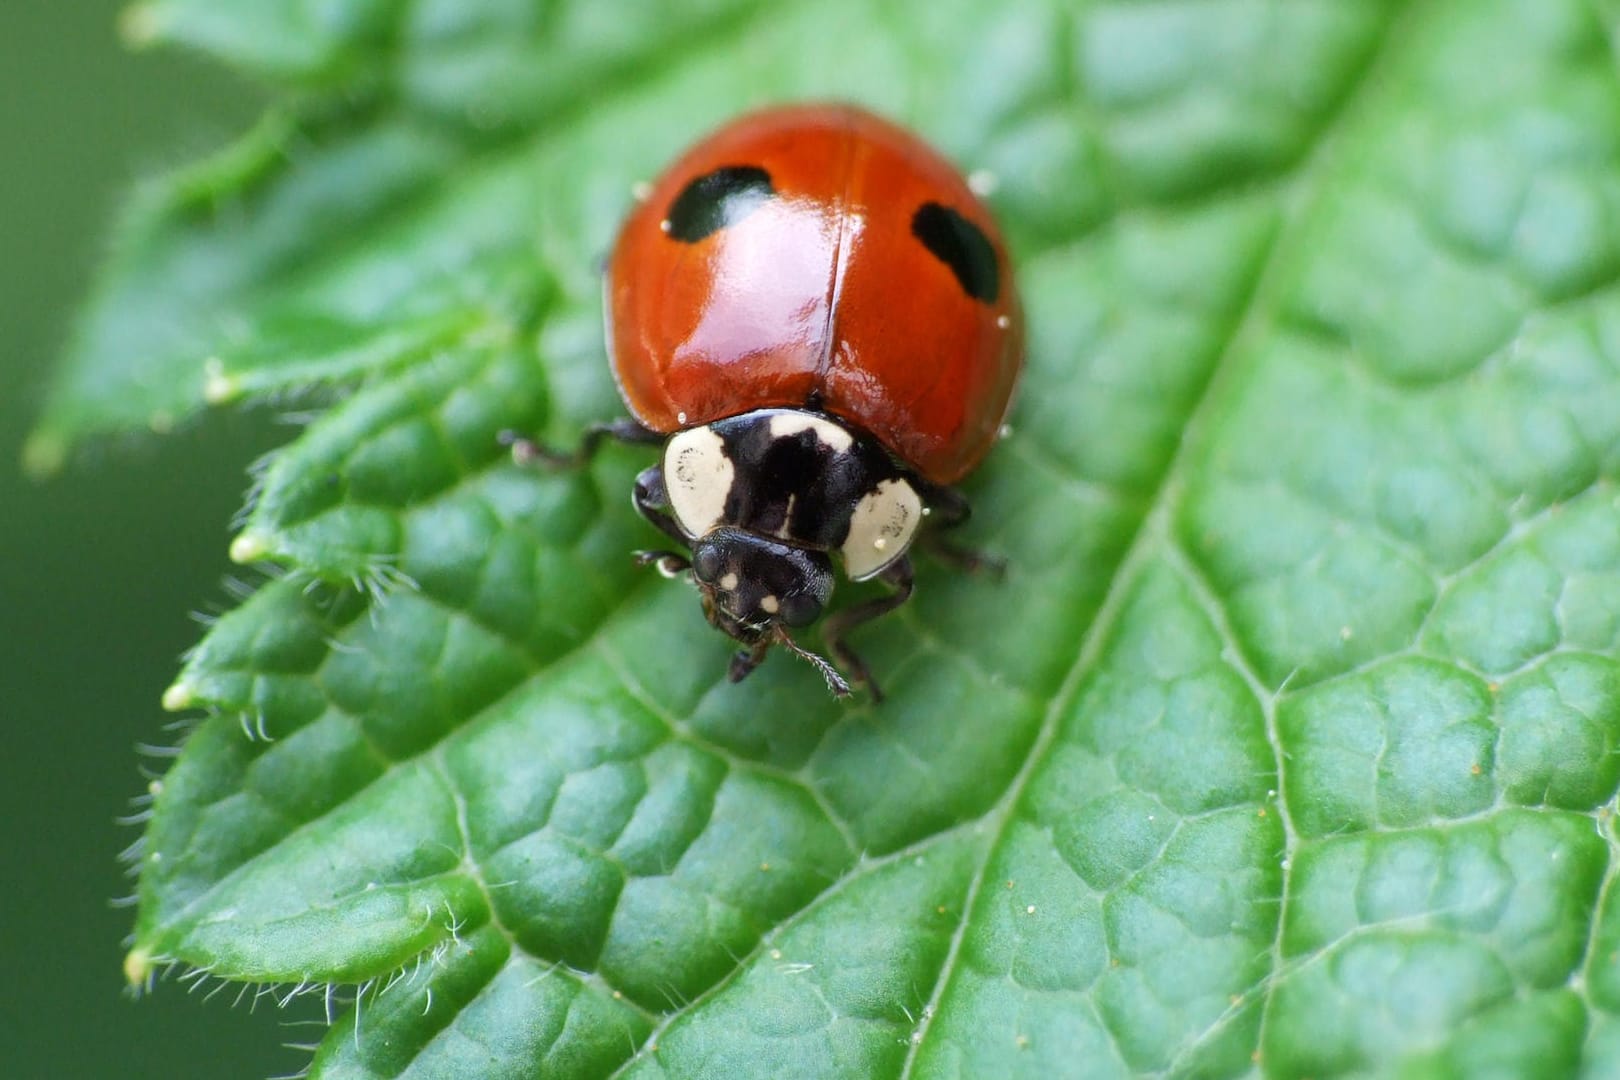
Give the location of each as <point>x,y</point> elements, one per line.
<point>140,25</point>
<point>43,455</point>
<point>138,967</point>
<point>218,386</point>
<point>179,696</point>
<point>249,547</point>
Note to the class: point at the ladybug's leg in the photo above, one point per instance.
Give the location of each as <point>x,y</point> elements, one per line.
<point>650,499</point>
<point>744,661</point>
<point>948,508</point>
<point>899,576</point>
<point>671,564</point>
<point>526,451</point>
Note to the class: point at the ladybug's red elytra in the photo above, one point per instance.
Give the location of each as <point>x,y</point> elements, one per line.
<point>815,316</point>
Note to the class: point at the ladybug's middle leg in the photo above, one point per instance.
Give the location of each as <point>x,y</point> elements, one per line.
<point>625,430</point>
<point>947,509</point>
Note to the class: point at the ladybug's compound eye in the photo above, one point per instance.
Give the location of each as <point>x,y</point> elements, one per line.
<point>799,611</point>
<point>717,200</point>
<point>961,246</point>
<point>707,563</point>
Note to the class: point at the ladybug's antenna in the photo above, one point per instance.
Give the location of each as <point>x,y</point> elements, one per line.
<point>835,681</point>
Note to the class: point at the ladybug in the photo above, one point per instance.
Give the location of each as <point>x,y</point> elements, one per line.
<point>816,318</point>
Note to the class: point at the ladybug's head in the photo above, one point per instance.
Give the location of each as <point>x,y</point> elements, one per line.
<point>751,583</point>
<point>756,588</point>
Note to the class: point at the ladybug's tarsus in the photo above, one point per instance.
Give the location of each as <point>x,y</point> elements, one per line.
<point>671,564</point>
<point>963,560</point>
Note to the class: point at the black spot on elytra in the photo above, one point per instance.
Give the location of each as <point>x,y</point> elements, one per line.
<point>961,246</point>
<point>717,199</point>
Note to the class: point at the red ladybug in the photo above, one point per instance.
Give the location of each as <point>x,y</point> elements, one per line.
<point>816,317</point>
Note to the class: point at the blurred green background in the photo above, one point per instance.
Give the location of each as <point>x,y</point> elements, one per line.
<point>99,567</point>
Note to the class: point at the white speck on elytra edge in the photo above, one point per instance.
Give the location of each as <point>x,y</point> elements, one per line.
<point>983,182</point>
<point>1003,321</point>
<point>680,418</point>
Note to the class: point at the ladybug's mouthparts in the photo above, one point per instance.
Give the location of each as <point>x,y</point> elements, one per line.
<point>759,637</point>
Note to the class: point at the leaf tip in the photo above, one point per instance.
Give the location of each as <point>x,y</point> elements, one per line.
<point>249,547</point>
<point>139,25</point>
<point>218,387</point>
<point>137,967</point>
<point>178,696</point>
<point>43,455</point>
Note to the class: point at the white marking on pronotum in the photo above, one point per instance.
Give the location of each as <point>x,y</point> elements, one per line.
<point>785,530</point>
<point>697,477</point>
<point>785,425</point>
<point>770,605</point>
<point>729,582</point>
<point>881,529</point>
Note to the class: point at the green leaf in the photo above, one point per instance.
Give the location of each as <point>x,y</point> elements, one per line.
<point>1287,748</point>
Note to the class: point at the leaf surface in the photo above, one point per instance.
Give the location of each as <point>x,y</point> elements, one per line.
<point>1288,746</point>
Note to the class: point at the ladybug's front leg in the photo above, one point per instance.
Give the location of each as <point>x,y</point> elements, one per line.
<point>744,661</point>
<point>650,499</point>
<point>899,576</point>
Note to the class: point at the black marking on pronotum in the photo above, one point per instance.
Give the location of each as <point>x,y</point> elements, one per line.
<point>716,200</point>
<point>960,245</point>
<point>771,473</point>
